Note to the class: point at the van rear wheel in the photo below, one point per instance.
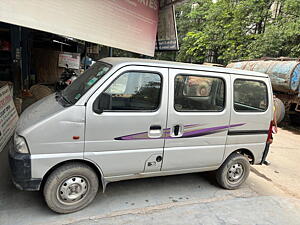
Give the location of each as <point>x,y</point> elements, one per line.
<point>233,172</point>
<point>71,187</point>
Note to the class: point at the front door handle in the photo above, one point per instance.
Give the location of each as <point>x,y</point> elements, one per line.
<point>155,131</point>
<point>155,127</point>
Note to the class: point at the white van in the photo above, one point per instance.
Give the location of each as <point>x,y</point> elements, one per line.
<point>133,118</point>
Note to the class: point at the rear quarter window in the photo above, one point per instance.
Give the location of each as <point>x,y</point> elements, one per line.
<point>250,95</point>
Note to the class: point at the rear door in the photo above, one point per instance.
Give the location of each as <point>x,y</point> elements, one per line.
<point>127,137</point>
<point>198,119</point>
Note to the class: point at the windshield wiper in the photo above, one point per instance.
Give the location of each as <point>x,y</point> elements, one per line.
<point>60,96</point>
<point>57,95</point>
<point>66,100</point>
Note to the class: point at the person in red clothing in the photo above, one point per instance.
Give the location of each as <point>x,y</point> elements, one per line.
<point>273,130</point>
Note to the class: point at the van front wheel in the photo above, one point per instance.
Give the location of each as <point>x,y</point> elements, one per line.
<point>71,187</point>
<point>233,172</point>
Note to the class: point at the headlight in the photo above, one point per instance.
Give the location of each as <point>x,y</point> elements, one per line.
<point>20,144</point>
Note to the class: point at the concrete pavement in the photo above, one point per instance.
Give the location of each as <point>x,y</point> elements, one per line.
<point>239,210</point>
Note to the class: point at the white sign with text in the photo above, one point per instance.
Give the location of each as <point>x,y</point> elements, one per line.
<point>8,116</point>
<point>70,60</point>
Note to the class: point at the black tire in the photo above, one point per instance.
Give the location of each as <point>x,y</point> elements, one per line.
<point>225,175</point>
<point>71,187</point>
<point>280,110</point>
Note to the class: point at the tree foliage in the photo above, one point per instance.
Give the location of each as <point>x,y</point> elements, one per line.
<point>225,30</point>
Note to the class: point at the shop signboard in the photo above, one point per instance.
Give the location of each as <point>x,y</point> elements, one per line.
<point>70,60</point>
<point>126,24</point>
<point>167,32</point>
<point>8,116</point>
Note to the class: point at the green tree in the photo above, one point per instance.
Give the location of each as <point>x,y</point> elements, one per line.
<point>237,29</point>
<point>282,34</point>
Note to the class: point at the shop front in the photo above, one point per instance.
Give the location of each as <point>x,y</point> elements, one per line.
<point>40,40</point>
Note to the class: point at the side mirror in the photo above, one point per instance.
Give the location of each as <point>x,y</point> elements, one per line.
<point>103,102</point>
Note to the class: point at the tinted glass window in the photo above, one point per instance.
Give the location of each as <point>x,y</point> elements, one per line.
<point>250,96</point>
<point>199,93</point>
<point>135,91</point>
<point>85,81</point>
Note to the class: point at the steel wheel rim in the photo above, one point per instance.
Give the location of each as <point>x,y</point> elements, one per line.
<point>235,173</point>
<point>73,190</point>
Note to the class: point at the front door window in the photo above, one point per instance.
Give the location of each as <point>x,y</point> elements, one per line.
<point>135,91</point>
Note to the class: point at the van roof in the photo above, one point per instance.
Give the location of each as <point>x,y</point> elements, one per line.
<point>122,61</point>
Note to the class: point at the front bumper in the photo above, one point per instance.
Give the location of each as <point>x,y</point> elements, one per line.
<point>20,165</point>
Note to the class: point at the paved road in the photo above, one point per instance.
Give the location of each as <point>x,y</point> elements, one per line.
<point>270,196</point>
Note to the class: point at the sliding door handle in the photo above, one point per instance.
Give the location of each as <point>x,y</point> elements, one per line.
<point>177,131</point>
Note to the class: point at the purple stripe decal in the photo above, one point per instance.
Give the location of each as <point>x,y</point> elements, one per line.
<point>193,133</point>
<point>192,125</point>
<point>209,130</point>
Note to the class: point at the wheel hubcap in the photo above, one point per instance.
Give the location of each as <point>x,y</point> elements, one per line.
<point>73,190</point>
<point>235,172</point>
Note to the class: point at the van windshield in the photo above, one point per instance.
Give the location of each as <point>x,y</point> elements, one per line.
<point>84,82</point>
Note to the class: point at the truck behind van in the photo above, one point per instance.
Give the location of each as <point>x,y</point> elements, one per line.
<point>127,118</point>
<point>284,74</point>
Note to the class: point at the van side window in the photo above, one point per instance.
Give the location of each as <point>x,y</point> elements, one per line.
<point>250,96</point>
<point>199,93</point>
<point>135,91</point>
